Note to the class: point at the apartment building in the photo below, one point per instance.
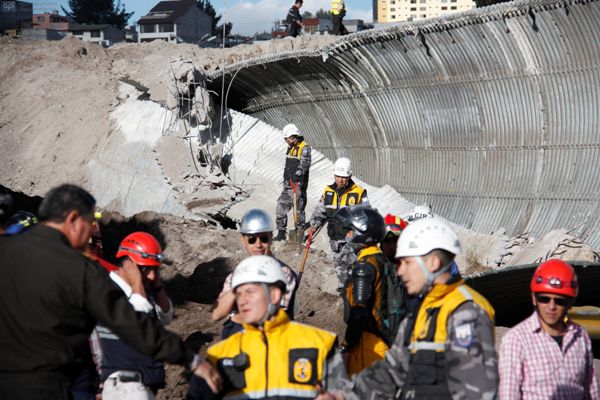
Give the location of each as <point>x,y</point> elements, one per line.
<point>414,10</point>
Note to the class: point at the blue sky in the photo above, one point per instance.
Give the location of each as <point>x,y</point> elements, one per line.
<point>248,16</point>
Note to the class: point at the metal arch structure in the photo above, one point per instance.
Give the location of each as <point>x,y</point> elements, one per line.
<point>492,115</point>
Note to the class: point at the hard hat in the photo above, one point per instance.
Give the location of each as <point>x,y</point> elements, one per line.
<point>258,269</point>
<point>424,235</point>
<point>256,221</point>
<point>394,225</point>
<point>366,224</point>
<point>143,248</point>
<point>343,167</point>
<point>291,130</point>
<point>19,222</point>
<point>420,212</point>
<point>555,276</point>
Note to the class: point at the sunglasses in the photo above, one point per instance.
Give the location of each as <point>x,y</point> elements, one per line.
<point>144,270</point>
<point>558,301</point>
<point>263,239</point>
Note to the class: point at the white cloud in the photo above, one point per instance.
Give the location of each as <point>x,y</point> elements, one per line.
<point>250,17</point>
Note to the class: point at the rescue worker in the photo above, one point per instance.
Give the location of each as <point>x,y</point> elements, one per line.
<point>394,226</point>
<point>365,298</point>
<point>257,234</point>
<point>342,193</point>
<point>273,357</point>
<point>52,296</point>
<point>338,12</point>
<point>444,348</point>
<point>294,19</point>
<point>126,373</point>
<point>548,356</point>
<point>295,172</point>
<point>20,222</point>
<point>6,205</point>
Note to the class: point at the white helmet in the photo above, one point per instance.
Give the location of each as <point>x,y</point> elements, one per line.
<point>343,167</point>
<point>420,212</point>
<point>424,235</point>
<point>256,221</point>
<point>258,269</point>
<point>291,130</point>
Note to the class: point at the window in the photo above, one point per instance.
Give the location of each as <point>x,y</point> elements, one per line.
<point>165,28</point>
<point>422,8</point>
<point>421,1</point>
<point>453,8</point>
<point>423,15</point>
<point>95,33</point>
<point>393,17</point>
<point>393,2</point>
<point>444,8</point>
<point>147,28</point>
<point>392,9</point>
<point>413,1</point>
<point>413,9</point>
<point>409,19</point>
<point>41,19</point>
<point>412,16</point>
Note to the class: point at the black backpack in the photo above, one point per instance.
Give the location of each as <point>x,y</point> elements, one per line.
<point>394,307</point>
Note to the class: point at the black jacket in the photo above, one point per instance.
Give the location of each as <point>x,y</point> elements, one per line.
<point>51,297</point>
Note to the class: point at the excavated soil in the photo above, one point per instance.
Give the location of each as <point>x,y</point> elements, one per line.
<point>199,258</point>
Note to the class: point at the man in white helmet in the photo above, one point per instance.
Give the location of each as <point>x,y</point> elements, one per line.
<point>257,236</point>
<point>342,193</point>
<point>272,357</point>
<point>295,172</point>
<point>445,346</point>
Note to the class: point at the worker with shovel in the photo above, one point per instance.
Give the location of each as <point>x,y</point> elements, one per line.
<point>295,182</point>
<point>341,193</point>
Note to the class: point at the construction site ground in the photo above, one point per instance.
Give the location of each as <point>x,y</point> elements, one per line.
<point>56,100</point>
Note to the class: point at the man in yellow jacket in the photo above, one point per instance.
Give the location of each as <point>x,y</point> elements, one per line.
<point>444,348</point>
<point>272,357</point>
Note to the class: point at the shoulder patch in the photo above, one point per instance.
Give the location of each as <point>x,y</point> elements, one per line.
<point>464,335</point>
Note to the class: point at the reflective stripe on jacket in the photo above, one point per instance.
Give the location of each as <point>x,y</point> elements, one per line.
<point>427,376</point>
<point>285,360</point>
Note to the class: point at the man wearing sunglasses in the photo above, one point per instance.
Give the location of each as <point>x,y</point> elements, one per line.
<point>547,355</point>
<point>257,236</point>
<point>126,373</point>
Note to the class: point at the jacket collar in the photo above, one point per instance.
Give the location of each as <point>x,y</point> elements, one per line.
<point>440,290</point>
<point>272,324</point>
<point>368,251</point>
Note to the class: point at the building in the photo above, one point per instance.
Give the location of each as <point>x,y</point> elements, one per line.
<point>103,34</point>
<point>178,21</point>
<point>51,21</point>
<point>355,25</point>
<point>414,10</point>
<point>14,16</point>
<point>317,26</point>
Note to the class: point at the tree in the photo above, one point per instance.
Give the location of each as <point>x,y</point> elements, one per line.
<point>219,30</point>
<point>307,14</point>
<point>323,14</point>
<point>98,12</point>
<point>208,9</point>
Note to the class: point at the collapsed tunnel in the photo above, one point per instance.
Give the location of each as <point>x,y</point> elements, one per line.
<point>490,115</point>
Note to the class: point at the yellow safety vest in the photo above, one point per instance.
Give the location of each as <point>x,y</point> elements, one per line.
<point>337,6</point>
<point>352,196</point>
<point>293,156</point>
<point>286,360</point>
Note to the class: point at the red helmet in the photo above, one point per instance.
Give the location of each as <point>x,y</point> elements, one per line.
<point>394,224</point>
<point>143,248</point>
<point>555,276</point>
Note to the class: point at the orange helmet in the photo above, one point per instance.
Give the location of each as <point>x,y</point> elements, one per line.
<point>555,276</point>
<point>394,225</point>
<point>143,248</point>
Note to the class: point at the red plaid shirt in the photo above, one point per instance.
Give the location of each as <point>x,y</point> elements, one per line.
<point>533,366</point>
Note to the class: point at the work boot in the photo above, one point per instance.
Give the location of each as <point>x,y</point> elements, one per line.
<point>280,236</point>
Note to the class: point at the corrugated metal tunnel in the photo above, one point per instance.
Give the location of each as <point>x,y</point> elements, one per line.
<point>490,115</point>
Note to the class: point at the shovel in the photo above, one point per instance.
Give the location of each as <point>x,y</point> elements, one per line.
<point>296,235</point>
<point>305,255</point>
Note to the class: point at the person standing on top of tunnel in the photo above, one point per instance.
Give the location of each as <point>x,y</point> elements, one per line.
<point>444,348</point>
<point>338,12</point>
<point>548,356</point>
<point>342,193</point>
<point>294,19</point>
<point>257,237</point>
<point>295,172</point>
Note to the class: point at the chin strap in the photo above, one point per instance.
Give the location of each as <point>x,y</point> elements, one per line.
<point>430,277</point>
